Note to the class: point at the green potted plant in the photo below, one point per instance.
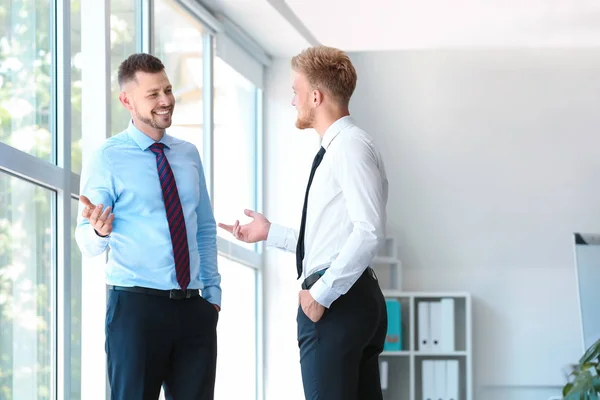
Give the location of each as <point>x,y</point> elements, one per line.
<point>584,379</point>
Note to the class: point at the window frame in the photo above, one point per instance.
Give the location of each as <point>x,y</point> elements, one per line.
<point>57,176</point>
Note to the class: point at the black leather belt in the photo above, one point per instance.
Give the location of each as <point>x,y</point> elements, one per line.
<point>312,279</point>
<point>175,294</point>
<point>315,276</point>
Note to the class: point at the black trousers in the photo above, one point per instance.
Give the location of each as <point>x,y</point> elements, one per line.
<point>153,341</point>
<point>339,354</point>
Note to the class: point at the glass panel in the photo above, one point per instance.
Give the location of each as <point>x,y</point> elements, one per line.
<point>123,43</point>
<point>76,297</point>
<point>25,289</point>
<point>179,45</point>
<point>237,350</point>
<point>25,76</point>
<point>234,145</point>
<point>76,60</point>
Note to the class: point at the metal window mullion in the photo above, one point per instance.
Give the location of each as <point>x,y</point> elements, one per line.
<point>238,253</point>
<point>60,275</point>
<point>258,159</point>
<point>145,26</point>
<point>30,168</point>
<point>63,130</point>
<point>197,10</point>
<point>259,343</point>
<point>208,119</point>
<point>75,182</point>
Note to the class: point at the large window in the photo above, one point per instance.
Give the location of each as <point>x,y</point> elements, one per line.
<point>237,328</point>
<point>234,145</point>
<point>57,104</point>
<point>25,77</point>
<point>25,289</point>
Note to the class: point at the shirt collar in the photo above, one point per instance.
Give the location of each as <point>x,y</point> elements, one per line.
<point>143,140</point>
<point>336,128</point>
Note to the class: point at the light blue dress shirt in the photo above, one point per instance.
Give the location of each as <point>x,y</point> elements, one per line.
<point>122,174</point>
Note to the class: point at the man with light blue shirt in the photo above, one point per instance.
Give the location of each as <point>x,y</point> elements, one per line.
<point>144,195</point>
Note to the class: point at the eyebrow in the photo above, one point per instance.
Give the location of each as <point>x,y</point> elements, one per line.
<point>158,89</point>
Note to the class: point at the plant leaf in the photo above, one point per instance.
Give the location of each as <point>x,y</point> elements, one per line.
<point>592,353</point>
<point>567,389</point>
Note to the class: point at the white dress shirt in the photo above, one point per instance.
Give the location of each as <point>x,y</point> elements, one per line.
<point>346,216</point>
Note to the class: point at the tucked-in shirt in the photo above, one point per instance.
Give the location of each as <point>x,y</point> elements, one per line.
<point>346,212</point>
<point>123,174</point>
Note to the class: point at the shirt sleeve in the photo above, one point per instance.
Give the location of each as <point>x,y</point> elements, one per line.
<point>282,238</point>
<point>97,184</point>
<point>356,169</point>
<point>207,243</point>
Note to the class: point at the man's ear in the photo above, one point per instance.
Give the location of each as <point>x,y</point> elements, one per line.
<point>317,98</point>
<point>124,98</point>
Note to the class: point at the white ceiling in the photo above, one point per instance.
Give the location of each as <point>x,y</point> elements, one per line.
<point>265,23</point>
<point>284,27</point>
<point>409,24</point>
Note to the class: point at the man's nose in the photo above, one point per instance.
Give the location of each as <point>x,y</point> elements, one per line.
<point>164,100</point>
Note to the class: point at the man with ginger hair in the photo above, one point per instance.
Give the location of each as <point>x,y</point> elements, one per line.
<point>342,320</point>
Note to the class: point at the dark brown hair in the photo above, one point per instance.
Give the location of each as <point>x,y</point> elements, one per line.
<point>327,69</point>
<point>138,62</point>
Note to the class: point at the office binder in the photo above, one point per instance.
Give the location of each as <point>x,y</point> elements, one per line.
<point>448,329</point>
<point>393,338</point>
<point>428,380</point>
<point>439,379</point>
<point>383,375</point>
<point>435,325</point>
<point>423,334</point>
<point>452,380</point>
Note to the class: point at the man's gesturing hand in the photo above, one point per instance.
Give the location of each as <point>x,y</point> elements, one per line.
<point>100,221</point>
<point>252,232</point>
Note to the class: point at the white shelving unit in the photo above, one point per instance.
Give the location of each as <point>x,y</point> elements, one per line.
<point>387,266</point>
<point>404,371</point>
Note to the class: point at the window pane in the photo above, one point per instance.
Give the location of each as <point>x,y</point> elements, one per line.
<point>179,46</point>
<point>25,76</point>
<point>76,60</point>
<point>76,297</point>
<point>236,333</point>
<point>25,289</point>
<point>234,145</point>
<point>123,43</point>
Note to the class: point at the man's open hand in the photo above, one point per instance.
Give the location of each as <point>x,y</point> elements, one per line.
<point>252,232</point>
<point>100,220</point>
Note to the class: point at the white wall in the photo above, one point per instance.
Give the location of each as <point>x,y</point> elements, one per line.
<point>493,162</point>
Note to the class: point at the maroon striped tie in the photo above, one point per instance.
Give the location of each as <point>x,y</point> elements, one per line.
<point>181,253</point>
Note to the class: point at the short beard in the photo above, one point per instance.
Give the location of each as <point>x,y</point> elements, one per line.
<point>150,121</point>
<point>306,121</point>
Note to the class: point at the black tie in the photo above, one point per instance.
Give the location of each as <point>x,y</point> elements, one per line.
<point>300,246</point>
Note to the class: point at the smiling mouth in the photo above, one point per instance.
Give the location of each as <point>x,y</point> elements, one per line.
<point>163,112</point>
